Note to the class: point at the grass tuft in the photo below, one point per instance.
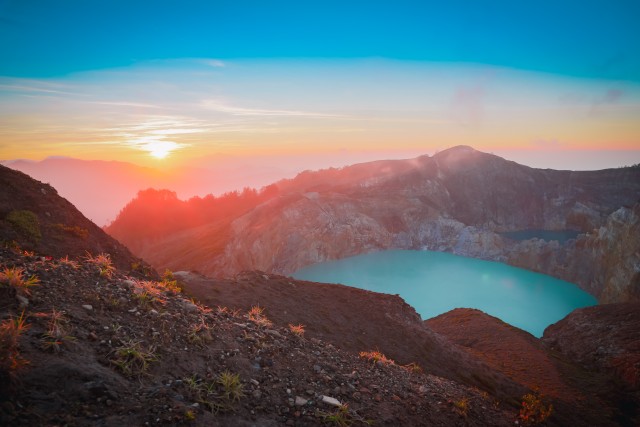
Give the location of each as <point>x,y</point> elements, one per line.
<point>16,278</point>
<point>132,359</point>
<point>57,334</point>
<point>534,409</point>
<point>10,331</point>
<point>256,315</point>
<point>297,330</point>
<point>103,262</point>
<point>376,357</point>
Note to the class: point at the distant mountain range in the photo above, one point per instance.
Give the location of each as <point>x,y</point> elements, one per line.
<point>100,189</point>
<point>83,182</point>
<point>459,201</point>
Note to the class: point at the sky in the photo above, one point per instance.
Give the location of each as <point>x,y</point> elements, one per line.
<point>168,83</point>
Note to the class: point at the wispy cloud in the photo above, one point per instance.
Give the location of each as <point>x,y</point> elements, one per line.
<point>216,63</point>
<point>127,104</point>
<point>33,88</point>
<point>244,111</point>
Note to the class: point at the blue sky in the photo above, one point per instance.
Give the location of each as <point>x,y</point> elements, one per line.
<point>595,39</point>
<point>176,81</point>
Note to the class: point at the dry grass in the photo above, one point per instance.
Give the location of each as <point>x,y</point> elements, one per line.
<point>132,359</point>
<point>103,262</point>
<point>10,331</point>
<point>57,334</point>
<point>376,357</point>
<point>534,409</point>
<point>256,315</point>
<point>16,278</point>
<point>297,329</point>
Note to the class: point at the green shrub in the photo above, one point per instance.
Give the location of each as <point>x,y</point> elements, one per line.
<point>25,223</point>
<point>74,230</point>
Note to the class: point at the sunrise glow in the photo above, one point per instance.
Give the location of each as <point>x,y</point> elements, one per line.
<point>415,88</point>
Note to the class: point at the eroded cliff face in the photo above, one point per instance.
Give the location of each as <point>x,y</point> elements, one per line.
<point>605,262</point>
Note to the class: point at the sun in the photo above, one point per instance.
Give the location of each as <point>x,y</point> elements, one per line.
<point>160,149</point>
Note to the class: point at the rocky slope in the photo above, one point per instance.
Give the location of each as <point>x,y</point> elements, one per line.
<point>549,365</point>
<point>95,350</point>
<point>457,201</point>
<point>354,320</point>
<point>602,338</point>
<point>34,217</point>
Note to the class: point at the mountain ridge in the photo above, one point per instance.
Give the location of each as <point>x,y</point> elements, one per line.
<point>458,201</point>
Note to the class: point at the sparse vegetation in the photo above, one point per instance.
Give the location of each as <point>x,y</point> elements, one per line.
<point>340,417</point>
<point>169,283</point>
<point>15,277</point>
<point>376,357</point>
<point>297,329</point>
<point>199,334</point>
<point>534,409</point>
<point>132,359</point>
<point>68,262</point>
<point>72,230</point>
<point>103,262</point>
<point>462,406</point>
<point>56,335</point>
<point>26,223</point>
<point>256,315</point>
<point>231,385</point>
<point>10,331</point>
<point>413,368</point>
<point>218,395</point>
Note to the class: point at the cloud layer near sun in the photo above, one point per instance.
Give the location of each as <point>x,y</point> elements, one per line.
<point>187,109</point>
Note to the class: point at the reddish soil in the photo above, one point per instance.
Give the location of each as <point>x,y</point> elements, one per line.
<point>352,319</point>
<point>530,362</point>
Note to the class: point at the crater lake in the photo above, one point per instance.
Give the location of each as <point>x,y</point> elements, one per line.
<point>436,282</point>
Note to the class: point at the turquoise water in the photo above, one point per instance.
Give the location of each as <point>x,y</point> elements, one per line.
<point>548,235</point>
<point>436,282</point>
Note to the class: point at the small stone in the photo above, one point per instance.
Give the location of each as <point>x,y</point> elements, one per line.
<point>189,307</point>
<point>300,401</point>
<point>273,333</point>
<point>196,405</point>
<point>288,391</point>
<point>330,401</point>
<point>129,283</point>
<point>257,394</point>
<point>154,312</point>
<point>87,307</point>
<point>133,310</point>
<point>310,392</point>
<point>254,382</point>
<point>317,368</point>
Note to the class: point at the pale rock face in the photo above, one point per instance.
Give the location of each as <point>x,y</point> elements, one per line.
<point>605,262</point>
